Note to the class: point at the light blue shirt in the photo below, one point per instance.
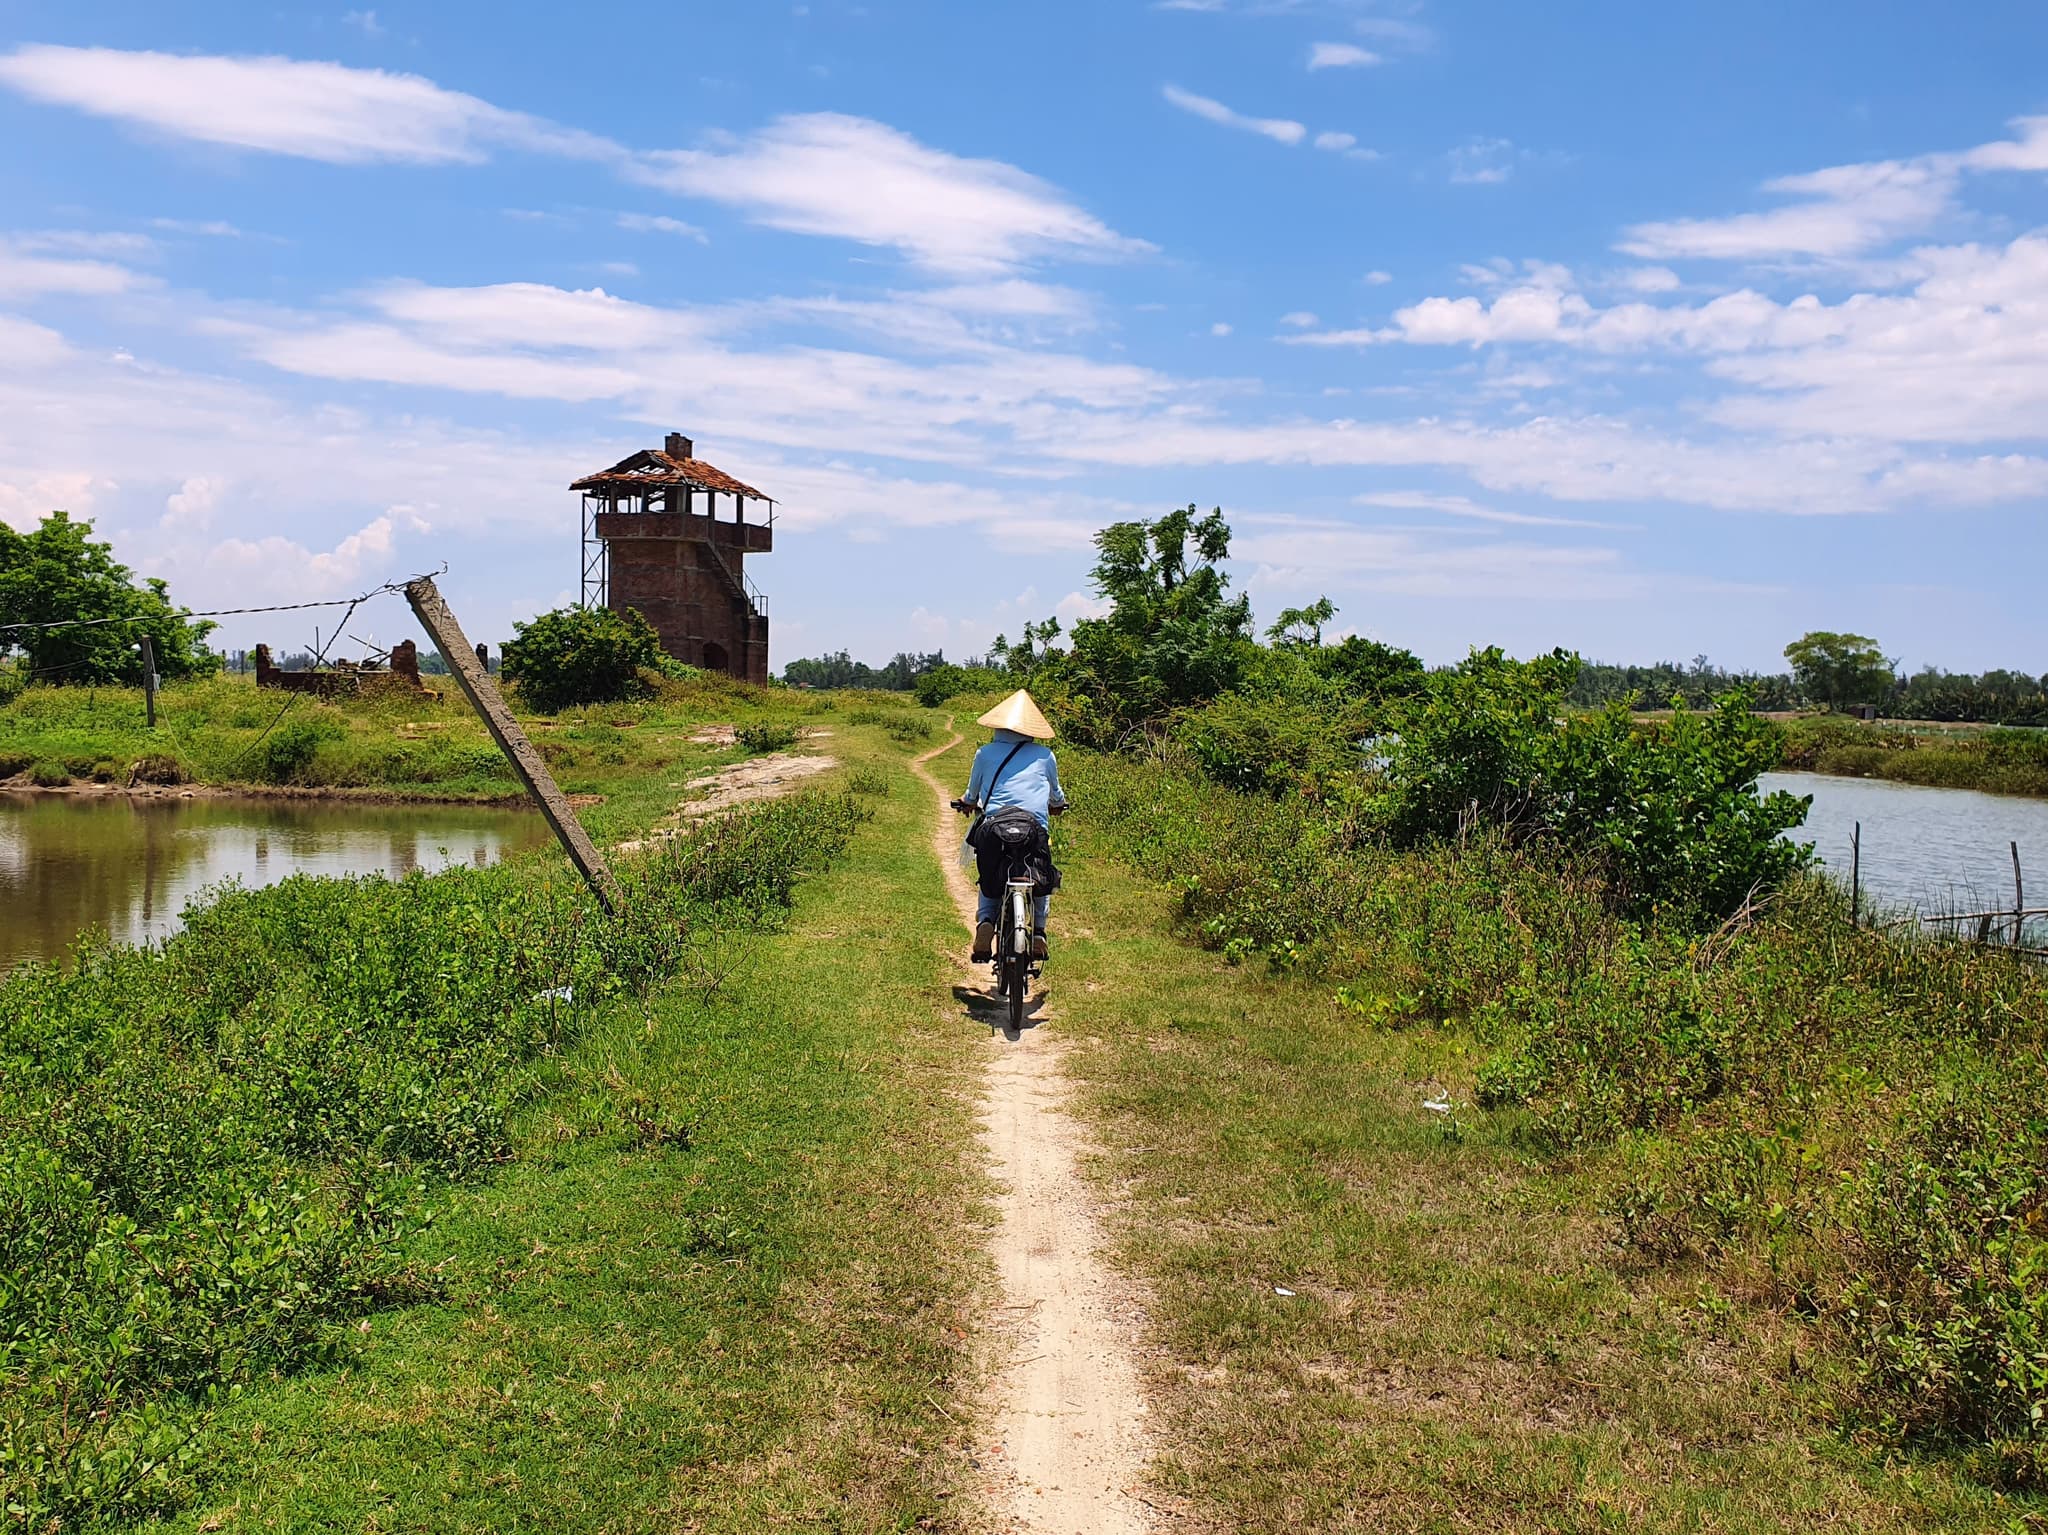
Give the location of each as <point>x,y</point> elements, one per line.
<point>1030,782</point>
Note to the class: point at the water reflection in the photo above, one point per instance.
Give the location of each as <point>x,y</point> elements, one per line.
<point>1930,850</point>
<point>129,866</point>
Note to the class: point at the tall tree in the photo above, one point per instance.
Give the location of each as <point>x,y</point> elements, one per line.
<point>59,574</point>
<point>1837,670</point>
<point>1174,635</point>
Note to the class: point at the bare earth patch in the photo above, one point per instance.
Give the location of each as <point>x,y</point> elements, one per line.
<point>738,783</point>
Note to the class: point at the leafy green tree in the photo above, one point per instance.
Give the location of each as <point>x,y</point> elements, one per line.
<point>1837,670</point>
<point>1302,628</point>
<point>575,656</point>
<point>57,573</point>
<point>1174,635</point>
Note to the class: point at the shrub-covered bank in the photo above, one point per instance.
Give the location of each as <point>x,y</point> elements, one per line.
<point>1828,1120</point>
<point>211,1152</point>
<point>1995,761</point>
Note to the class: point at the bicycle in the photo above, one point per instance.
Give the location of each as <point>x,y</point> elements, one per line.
<point>1011,959</point>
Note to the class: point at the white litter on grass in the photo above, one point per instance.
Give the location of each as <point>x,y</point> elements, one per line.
<point>1436,1105</point>
<point>557,994</point>
<point>1281,1289</point>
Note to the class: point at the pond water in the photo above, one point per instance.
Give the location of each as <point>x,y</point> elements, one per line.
<point>69,862</point>
<point>1932,850</point>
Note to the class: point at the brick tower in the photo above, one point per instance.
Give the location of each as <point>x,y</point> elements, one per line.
<point>653,539</point>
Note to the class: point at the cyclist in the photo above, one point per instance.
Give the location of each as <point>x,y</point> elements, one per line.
<point>1015,774</point>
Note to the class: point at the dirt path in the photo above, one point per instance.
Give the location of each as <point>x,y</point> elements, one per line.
<point>1069,1438</point>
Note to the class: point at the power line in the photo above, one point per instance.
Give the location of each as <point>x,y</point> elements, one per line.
<point>181,616</point>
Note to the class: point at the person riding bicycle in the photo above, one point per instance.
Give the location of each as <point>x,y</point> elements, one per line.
<point>1014,775</point>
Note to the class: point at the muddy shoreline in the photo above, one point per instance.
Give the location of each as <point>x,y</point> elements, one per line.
<point>517,800</point>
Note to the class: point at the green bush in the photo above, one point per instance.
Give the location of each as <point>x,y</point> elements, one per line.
<point>49,775</point>
<point>759,739</point>
<point>286,754</point>
<point>576,656</point>
<point>1670,806</point>
<point>866,780</point>
<point>1269,744</point>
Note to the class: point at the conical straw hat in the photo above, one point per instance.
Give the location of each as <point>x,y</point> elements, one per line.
<point>1018,713</point>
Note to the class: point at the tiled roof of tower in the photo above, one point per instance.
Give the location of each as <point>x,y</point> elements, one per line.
<point>652,466</point>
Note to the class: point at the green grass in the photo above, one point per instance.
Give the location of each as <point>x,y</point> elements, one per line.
<point>392,741</point>
<point>741,1175</point>
<point>751,1320</point>
<point>1466,1347</point>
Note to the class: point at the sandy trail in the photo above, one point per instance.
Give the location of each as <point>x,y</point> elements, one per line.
<point>1069,1441</point>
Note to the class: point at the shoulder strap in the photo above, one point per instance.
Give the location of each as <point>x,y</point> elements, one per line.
<point>997,777</point>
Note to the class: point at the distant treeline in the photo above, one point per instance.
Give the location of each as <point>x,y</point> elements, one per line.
<point>840,670</point>
<point>1992,698</point>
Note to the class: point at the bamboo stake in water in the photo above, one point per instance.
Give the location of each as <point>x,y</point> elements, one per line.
<point>1856,875</point>
<point>2019,899</point>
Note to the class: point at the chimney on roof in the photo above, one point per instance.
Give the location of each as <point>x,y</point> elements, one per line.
<point>679,446</point>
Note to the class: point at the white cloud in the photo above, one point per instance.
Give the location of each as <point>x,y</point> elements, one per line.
<point>365,20</point>
<point>1375,278</point>
<point>1844,210</point>
<point>1650,279</point>
<point>1464,506</point>
<point>24,274</point>
<point>1290,550</point>
<point>1340,56</point>
<point>829,174</point>
<point>661,223</point>
<point>191,506</point>
<point>218,229</point>
<point>118,244</point>
<point>1300,319</point>
<point>284,106</point>
<point>1279,129</point>
<point>280,564</point>
<point>1220,328</point>
<point>1482,161</point>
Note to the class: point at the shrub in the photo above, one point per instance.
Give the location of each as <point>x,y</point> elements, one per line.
<point>576,656</point>
<point>867,780</point>
<point>286,754</point>
<point>49,775</point>
<point>1669,806</point>
<point>158,768</point>
<point>759,739</point>
<point>1270,744</point>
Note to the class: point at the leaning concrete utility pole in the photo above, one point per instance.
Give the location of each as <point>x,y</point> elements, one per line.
<point>461,657</point>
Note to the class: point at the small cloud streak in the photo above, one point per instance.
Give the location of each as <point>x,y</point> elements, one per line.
<point>1341,56</point>
<point>1279,129</point>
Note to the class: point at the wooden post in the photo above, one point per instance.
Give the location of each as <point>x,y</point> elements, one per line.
<point>149,679</point>
<point>434,616</point>
<point>1856,874</point>
<point>2019,899</point>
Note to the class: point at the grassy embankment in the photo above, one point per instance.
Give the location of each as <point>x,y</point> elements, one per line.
<point>338,1212</point>
<point>1750,1238</point>
<point>392,741</point>
<point>1996,761</point>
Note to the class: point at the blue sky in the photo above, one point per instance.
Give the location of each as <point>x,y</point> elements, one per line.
<point>1646,331</point>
